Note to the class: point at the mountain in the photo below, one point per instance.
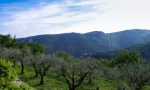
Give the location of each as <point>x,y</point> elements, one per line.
<point>78,44</point>
<point>129,38</point>
<point>144,50</point>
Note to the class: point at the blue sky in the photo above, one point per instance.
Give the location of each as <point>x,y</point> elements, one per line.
<point>25,18</point>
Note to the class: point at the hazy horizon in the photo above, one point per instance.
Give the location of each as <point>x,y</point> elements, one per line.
<point>25,18</point>
<point>76,32</point>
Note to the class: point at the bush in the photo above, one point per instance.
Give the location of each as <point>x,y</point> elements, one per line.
<point>7,77</point>
<point>7,73</point>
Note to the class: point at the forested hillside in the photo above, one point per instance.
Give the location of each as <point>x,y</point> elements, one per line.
<point>143,49</point>
<point>79,44</point>
<point>26,63</point>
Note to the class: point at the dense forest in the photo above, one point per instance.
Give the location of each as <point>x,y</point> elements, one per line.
<point>25,66</point>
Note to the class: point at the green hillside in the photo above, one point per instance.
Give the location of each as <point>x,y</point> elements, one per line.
<point>24,65</point>
<point>79,44</point>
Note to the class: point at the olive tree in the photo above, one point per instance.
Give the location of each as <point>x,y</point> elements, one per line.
<point>41,64</point>
<point>136,75</point>
<point>10,54</point>
<point>24,57</point>
<point>131,69</point>
<point>95,68</point>
<point>34,62</point>
<point>73,71</point>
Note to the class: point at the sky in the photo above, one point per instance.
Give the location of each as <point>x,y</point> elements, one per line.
<point>25,18</point>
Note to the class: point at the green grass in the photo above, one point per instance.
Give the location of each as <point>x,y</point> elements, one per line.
<point>51,80</point>
<point>55,82</point>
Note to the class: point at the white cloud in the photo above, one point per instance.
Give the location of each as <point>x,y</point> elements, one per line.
<point>51,18</point>
<point>79,16</point>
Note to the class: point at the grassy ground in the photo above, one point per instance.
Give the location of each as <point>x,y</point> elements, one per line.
<point>51,81</point>
<point>55,82</point>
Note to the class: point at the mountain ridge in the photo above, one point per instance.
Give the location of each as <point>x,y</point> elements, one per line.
<point>78,43</point>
